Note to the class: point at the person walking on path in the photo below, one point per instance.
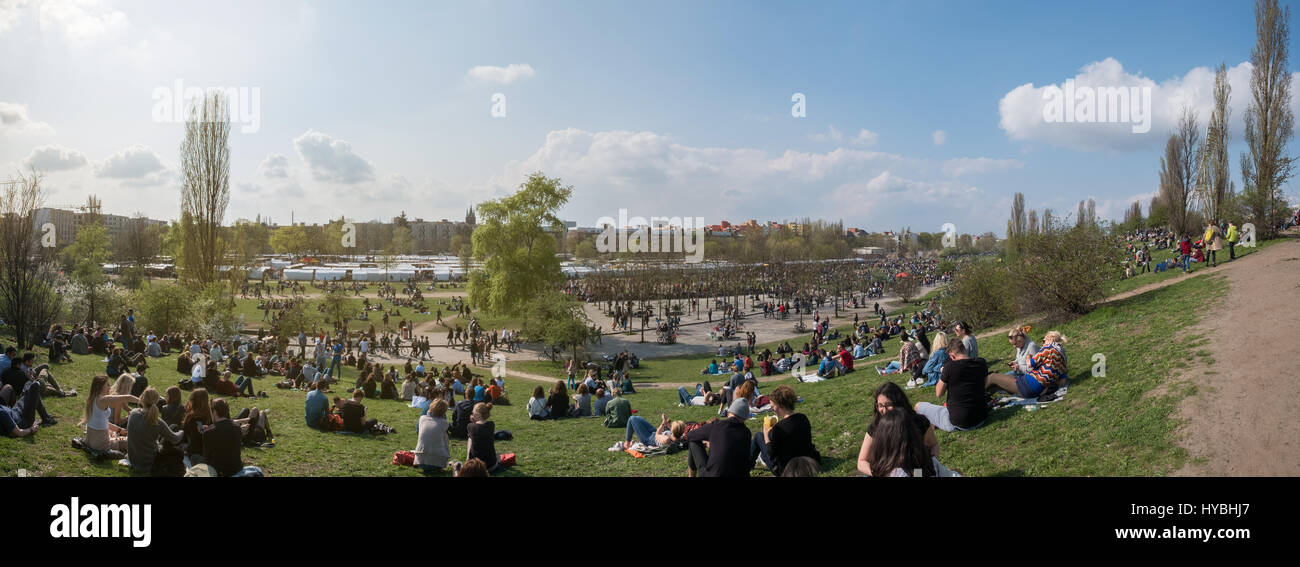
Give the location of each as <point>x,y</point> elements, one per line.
<point>1185,249</point>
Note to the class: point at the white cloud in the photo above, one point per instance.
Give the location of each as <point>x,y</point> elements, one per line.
<point>939,137</point>
<point>503,75</point>
<point>275,166</point>
<point>54,158</point>
<point>332,160</point>
<point>958,167</point>
<point>82,21</point>
<point>137,162</point>
<point>651,174</point>
<point>1021,109</point>
<point>864,137</point>
<point>10,12</point>
<point>14,120</point>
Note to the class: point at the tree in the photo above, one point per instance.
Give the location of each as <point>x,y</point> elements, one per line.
<point>300,316</point>
<point>28,303</point>
<point>1214,189</point>
<point>515,241</point>
<point>338,308</point>
<point>205,188</point>
<point>1178,171</point>
<point>1269,120</point>
<point>402,242</point>
<point>138,243</point>
<point>906,288</point>
<point>87,255</point>
<point>556,319</point>
<point>292,240</point>
<point>164,308</point>
<point>1018,224</point>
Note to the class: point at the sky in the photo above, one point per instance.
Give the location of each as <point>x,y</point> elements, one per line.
<point>914,114</point>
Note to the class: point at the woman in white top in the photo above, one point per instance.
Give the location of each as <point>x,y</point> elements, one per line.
<point>537,405</point>
<point>432,446</point>
<point>100,434</point>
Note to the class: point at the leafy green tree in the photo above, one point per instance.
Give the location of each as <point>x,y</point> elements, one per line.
<point>556,319</point>
<point>516,241</point>
<point>164,307</point>
<point>339,308</point>
<point>87,255</point>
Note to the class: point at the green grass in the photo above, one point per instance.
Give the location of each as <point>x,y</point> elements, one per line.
<point>1120,286</point>
<point>686,368</point>
<point>1122,424</point>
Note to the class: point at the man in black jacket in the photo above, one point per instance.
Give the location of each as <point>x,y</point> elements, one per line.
<point>728,451</point>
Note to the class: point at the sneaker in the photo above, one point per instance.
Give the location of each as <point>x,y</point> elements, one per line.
<point>618,446</point>
<point>49,422</point>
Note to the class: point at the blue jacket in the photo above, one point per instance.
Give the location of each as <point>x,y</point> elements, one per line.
<point>934,365</point>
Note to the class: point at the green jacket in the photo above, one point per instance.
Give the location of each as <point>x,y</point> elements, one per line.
<point>1232,233</point>
<point>617,412</point>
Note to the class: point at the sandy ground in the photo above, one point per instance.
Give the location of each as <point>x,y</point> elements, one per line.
<point>1238,423</point>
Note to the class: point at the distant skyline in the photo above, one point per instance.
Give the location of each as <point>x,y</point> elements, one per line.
<point>915,113</point>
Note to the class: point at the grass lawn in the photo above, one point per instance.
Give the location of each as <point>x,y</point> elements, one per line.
<point>1122,424</point>
<point>1120,286</point>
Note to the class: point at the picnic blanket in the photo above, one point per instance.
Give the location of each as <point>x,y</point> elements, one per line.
<point>641,450</point>
<point>1015,401</point>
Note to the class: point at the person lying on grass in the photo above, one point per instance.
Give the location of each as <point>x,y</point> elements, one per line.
<point>889,398</point>
<point>665,435</point>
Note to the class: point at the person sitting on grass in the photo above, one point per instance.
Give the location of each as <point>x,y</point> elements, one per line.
<point>317,405</point>
<point>712,368</point>
<point>119,410</point>
<point>938,357</point>
<point>889,398</point>
<point>354,416</point>
<point>537,405</point>
<point>482,438</point>
<point>173,411</point>
<point>618,411</point>
<point>728,441</point>
<point>101,433</point>
<point>582,402</point>
<point>1046,369</point>
<point>1025,350</point>
<point>432,446</point>
<point>496,393</point>
<point>787,439</point>
<point>144,429</point>
<point>558,402</point>
<point>198,412</point>
<point>462,414</point>
<point>408,387</point>
<point>963,380</point>
<point>599,402</point>
<point>897,449</point>
<point>909,355</point>
<point>222,441</point>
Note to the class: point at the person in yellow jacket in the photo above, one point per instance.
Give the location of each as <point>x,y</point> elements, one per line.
<point>1213,243</point>
<point>1232,240</point>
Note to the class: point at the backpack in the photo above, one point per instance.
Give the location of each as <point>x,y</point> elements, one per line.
<point>460,419</point>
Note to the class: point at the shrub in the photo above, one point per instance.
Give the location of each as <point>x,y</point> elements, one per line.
<point>1064,271</point>
<point>981,294</point>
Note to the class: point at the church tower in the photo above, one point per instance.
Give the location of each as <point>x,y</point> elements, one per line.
<point>469,217</point>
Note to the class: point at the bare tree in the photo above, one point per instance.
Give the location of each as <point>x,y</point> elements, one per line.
<point>1213,187</point>
<point>1178,170</point>
<point>205,188</point>
<point>1033,221</point>
<point>1091,212</point>
<point>28,304</point>
<point>1269,120</point>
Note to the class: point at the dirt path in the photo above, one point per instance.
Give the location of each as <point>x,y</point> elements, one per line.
<point>1239,422</point>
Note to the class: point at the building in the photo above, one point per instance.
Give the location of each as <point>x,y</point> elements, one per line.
<point>63,220</point>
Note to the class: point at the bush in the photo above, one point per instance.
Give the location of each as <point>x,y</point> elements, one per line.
<point>1064,272</point>
<point>164,307</point>
<point>94,305</point>
<point>981,294</point>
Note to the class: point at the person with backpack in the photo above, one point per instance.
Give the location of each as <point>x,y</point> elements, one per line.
<point>1232,241</point>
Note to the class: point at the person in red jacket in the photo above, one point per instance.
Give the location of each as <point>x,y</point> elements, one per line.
<point>1185,248</point>
<point>846,359</point>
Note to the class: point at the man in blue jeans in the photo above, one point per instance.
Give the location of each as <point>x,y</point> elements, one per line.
<point>20,420</point>
<point>337,362</point>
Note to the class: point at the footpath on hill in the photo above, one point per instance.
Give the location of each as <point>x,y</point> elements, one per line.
<point>1238,423</point>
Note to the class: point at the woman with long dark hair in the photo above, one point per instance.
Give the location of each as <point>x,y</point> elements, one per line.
<point>889,399</point>
<point>898,449</point>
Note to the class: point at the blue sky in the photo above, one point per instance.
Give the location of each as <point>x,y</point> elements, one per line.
<point>672,108</point>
